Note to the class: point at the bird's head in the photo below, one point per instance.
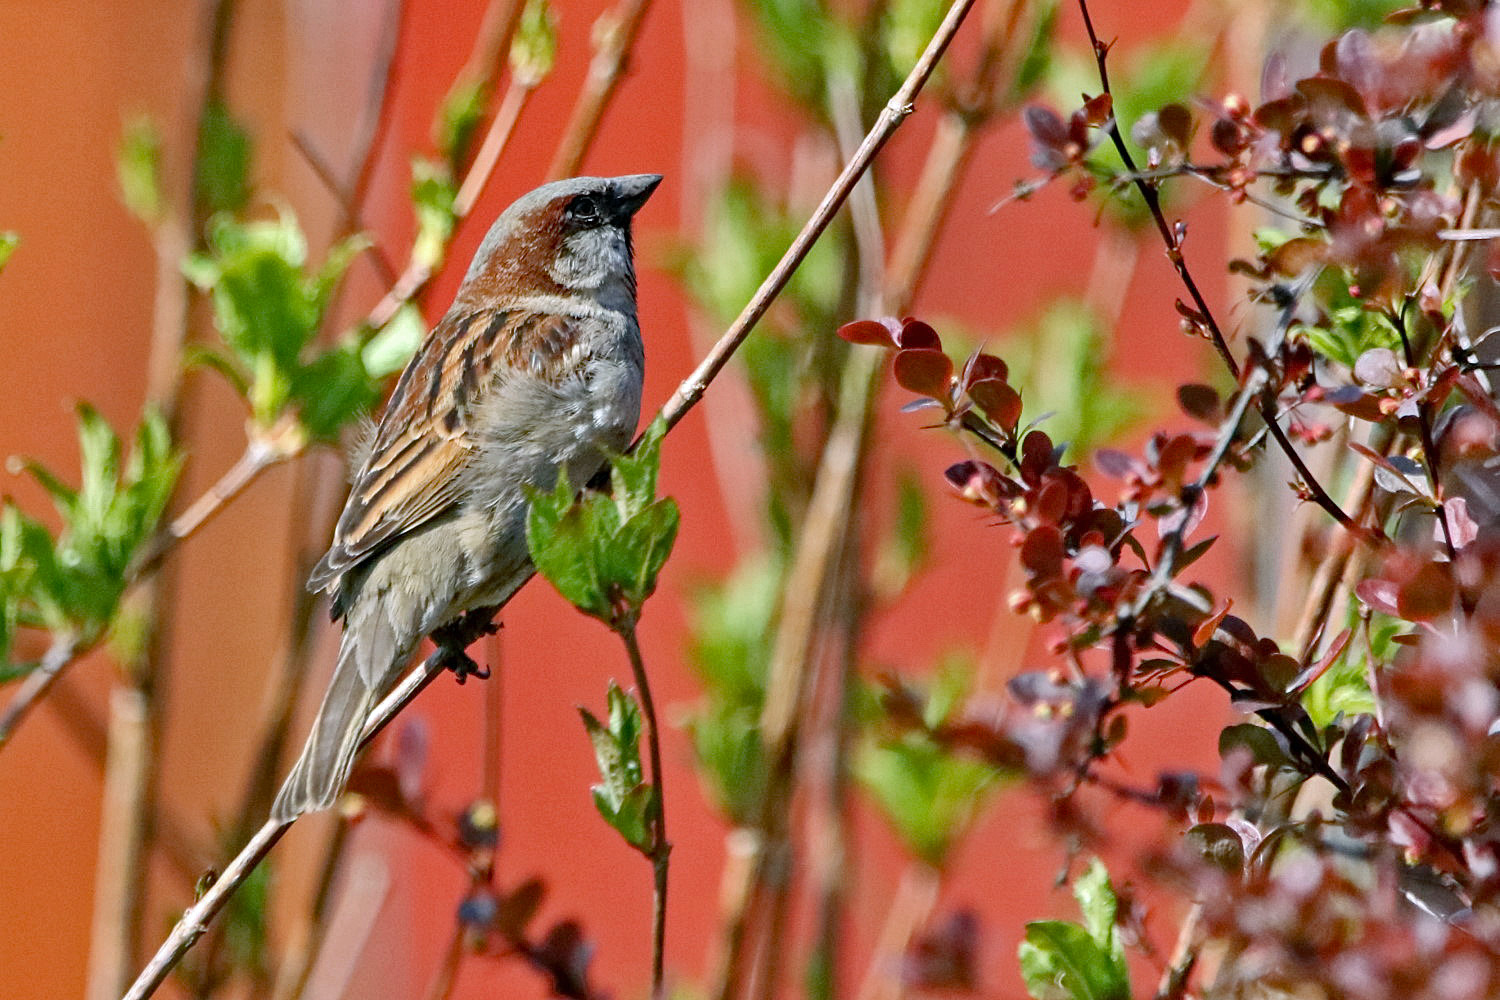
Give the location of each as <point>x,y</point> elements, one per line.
<point>566,238</point>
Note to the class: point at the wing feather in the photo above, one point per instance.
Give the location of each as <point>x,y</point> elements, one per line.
<point>411,474</point>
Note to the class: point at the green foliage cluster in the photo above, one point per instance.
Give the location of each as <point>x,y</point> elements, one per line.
<point>603,552</point>
<point>269,312</point>
<point>69,583</point>
<point>1061,960</point>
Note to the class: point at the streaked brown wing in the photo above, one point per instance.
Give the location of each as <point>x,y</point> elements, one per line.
<point>422,442</point>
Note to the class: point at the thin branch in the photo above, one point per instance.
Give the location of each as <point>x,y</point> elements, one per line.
<point>891,116</point>
<point>36,685</point>
<point>418,273</point>
<point>661,848</point>
<point>194,923</point>
<point>614,37</point>
<point>1173,244</point>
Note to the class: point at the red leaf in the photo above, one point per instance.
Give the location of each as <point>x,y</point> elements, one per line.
<point>1378,594</point>
<point>1427,595</point>
<point>876,333</point>
<point>1042,552</point>
<point>1206,628</point>
<point>1200,402</point>
<point>916,334</point>
<point>1115,464</point>
<point>924,371</point>
<point>997,401</point>
<point>1316,670</point>
<point>982,366</point>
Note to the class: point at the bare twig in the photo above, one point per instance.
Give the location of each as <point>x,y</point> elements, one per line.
<point>661,848</point>
<point>891,116</point>
<point>192,924</point>
<point>36,685</point>
<point>126,826</point>
<point>418,273</point>
<point>614,36</point>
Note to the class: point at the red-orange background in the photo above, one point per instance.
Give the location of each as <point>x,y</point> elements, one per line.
<point>75,308</point>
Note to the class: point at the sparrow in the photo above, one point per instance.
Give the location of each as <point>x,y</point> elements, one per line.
<point>536,366</point>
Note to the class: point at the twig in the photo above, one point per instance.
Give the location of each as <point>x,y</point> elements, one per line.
<point>892,115</point>
<point>1429,444</point>
<point>1184,957</point>
<point>661,848</point>
<point>194,922</point>
<point>915,898</point>
<point>1152,199</point>
<point>418,273</point>
<point>446,976</point>
<point>36,684</point>
<point>131,760</point>
<point>614,36</point>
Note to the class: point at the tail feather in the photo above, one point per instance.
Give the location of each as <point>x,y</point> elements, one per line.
<point>320,773</point>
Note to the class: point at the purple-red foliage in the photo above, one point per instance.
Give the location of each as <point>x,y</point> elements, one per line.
<point>1357,856</point>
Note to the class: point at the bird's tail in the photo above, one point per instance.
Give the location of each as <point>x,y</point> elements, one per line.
<point>321,772</point>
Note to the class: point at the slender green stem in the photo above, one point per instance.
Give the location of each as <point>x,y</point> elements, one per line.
<point>661,848</point>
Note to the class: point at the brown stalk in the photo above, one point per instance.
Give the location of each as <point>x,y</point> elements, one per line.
<point>36,684</point>
<point>136,712</point>
<point>891,116</point>
<point>194,922</point>
<point>823,588</point>
<point>417,274</point>
<point>614,36</point>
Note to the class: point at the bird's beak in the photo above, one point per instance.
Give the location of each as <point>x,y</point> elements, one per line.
<point>632,191</point>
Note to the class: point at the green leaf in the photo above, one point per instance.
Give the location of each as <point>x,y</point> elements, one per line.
<point>222,183</point>
<point>73,583</point>
<point>929,795</point>
<point>533,51</point>
<point>138,170</point>
<point>458,121</point>
<point>560,547</point>
<point>1261,742</point>
<point>641,547</point>
<point>1037,61</point>
<point>909,25</point>
<point>622,798</point>
<point>393,344</point>
<point>8,243</point>
<point>1097,901</point>
<point>602,552</point>
<point>1061,961</point>
<point>905,549</point>
<point>269,309</point>
<point>432,196</point>
<point>633,476</point>
<point>333,390</point>
<point>1220,845</point>
<point>728,746</point>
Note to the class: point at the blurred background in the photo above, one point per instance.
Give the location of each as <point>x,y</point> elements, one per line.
<point>141,766</point>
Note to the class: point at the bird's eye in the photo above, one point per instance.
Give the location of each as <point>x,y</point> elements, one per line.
<point>585,209</point>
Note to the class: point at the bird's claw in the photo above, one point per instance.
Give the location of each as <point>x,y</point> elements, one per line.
<point>453,642</point>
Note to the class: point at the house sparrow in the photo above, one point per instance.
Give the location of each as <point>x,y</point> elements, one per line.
<point>536,366</point>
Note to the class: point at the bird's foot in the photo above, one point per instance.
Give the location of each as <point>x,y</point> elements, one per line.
<point>454,639</point>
